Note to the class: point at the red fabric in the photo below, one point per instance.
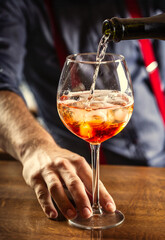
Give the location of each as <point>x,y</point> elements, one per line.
<point>148,56</point>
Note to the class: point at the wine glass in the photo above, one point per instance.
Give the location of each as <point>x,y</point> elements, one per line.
<point>95,102</point>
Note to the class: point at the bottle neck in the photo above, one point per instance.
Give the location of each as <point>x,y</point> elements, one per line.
<point>135,28</point>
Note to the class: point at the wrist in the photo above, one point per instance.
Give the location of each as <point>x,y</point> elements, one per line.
<point>27,149</point>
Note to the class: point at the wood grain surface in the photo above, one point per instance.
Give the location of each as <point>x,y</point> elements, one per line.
<point>139,193</point>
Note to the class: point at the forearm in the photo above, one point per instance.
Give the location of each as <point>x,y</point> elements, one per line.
<point>19,131</point>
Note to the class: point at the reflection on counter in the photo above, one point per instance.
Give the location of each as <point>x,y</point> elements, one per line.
<point>96,235</point>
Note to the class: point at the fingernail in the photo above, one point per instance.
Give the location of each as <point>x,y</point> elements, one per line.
<point>71,214</point>
<point>110,207</point>
<point>53,215</point>
<point>86,212</point>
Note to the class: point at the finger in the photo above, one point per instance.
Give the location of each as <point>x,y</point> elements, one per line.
<point>56,190</point>
<point>85,174</point>
<point>106,200</point>
<point>77,190</point>
<point>44,199</point>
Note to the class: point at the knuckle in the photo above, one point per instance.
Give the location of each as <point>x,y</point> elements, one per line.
<point>47,168</point>
<point>54,186</point>
<point>32,179</point>
<point>41,195</point>
<point>62,163</point>
<point>73,183</point>
<point>80,162</point>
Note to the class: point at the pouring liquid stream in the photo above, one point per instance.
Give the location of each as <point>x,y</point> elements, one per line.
<point>101,50</point>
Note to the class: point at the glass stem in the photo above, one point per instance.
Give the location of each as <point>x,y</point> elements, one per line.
<point>95,158</point>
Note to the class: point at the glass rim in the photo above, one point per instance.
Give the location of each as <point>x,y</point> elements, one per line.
<point>70,57</point>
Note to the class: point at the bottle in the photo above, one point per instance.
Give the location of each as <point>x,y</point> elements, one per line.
<point>134,28</point>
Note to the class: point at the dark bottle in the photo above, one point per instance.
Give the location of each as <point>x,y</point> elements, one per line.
<point>135,28</point>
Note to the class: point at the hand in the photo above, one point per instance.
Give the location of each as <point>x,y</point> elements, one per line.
<point>49,168</point>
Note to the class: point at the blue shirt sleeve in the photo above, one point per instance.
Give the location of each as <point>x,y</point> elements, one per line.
<point>12,44</point>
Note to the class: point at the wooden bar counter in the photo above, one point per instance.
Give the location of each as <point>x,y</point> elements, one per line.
<point>139,193</point>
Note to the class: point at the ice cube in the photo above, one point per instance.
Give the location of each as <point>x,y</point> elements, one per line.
<point>78,115</point>
<point>110,116</point>
<point>96,116</point>
<point>86,130</point>
<point>121,115</point>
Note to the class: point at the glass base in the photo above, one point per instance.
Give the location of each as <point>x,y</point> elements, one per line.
<point>99,221</point>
